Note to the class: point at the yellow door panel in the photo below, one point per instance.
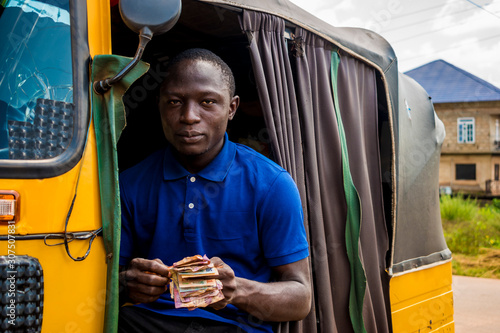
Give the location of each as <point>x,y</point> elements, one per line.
<point>74,292</point>
<point>422,300</point>
<point>44,203</point>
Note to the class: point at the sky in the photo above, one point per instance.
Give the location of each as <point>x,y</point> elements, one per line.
<point>465,33</point>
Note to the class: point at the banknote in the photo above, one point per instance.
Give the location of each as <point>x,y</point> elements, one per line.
<point>193,260</point>
<point>192,284</point>
<point>210,271</point>
<point>192,268</point>
<point>195,302</point>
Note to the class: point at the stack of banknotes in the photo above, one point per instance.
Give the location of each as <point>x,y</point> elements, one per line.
<point>192,284</point>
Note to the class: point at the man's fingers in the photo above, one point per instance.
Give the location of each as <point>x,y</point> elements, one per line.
<point>151,279</point>
<point>225,271</point>
<point>158,260</point>
<point>219,305</point>
<point>161,268</point>
<point>145,279</point>
<point>217,261</point>
<point>146,289</point>
<point>146,272</point>
<point>155,266</point>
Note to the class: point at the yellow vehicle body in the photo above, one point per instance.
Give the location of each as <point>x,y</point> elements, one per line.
<point>422,301</point>
<point>75,291</point>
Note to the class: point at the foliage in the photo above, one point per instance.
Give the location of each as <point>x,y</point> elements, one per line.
<point>496,203</point>
<point>469,226</point>
<point>458,209</point>
<point>472,232</point>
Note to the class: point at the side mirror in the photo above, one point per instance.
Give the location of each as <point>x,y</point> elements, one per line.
<point>147,18</point>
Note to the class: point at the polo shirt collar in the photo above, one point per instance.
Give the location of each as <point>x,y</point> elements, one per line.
<point>216,171</point>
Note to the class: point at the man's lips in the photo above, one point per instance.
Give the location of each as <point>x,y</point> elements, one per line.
<point>190,136</point>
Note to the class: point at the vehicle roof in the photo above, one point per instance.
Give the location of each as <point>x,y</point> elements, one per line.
<point>361,43</point>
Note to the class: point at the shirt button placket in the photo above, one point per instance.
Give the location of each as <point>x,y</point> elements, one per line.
<point>190,215</point>
<point>192,179</point>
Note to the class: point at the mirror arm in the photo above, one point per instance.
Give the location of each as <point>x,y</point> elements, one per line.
<point>102,86</point>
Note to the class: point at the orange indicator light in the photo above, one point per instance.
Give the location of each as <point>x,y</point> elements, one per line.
<point>9,206</point>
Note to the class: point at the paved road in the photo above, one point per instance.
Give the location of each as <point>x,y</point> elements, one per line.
<point>477,305</point>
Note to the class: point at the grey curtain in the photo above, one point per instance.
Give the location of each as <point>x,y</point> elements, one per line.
<point>358,105</point>
<point>325,196</point>
<point>275,85</point>
<point>300,116</point>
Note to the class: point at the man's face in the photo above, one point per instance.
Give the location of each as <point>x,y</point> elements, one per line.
<point>195,106</point>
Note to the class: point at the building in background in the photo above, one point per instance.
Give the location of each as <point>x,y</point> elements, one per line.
<point>470,110</point>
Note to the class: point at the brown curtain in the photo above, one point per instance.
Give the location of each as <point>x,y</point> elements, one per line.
<point>358,105</point>
<point>325,191</point>
<point>269,54</point>
<point>305,140</point>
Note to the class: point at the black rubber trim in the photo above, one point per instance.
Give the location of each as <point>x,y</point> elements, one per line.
<point>81,235</point>
<point>37,169</point>
<point>415,263</point>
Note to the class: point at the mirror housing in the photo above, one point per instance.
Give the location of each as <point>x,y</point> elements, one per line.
<point>147,18</point>
<point>159,16</point>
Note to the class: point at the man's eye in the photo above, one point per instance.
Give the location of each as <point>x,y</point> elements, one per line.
<point>208,102</point>
<point>173,102</point>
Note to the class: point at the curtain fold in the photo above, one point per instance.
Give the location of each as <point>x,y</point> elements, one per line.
<point>299,111</point>
<point>353,218</point>
<point>267,42</point>
<point>357,90</point>
<point>273,75</point>
<point>326,200</point>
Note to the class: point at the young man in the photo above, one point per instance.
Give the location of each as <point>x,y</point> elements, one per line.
<point>206,195</point>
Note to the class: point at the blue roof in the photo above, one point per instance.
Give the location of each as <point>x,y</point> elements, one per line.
<point>446,83</point>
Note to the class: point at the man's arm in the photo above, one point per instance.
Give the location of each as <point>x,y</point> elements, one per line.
<point>288,299</point>
<point>143,280</point>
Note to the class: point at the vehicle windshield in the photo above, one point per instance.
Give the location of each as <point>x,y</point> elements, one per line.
<point>36,80</point>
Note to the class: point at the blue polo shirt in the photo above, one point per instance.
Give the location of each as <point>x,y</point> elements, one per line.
<point>242,207</point>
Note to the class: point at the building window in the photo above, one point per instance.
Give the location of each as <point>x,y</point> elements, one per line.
<point>497,172</point>
<point>465,172</point>
<point>465,131</point>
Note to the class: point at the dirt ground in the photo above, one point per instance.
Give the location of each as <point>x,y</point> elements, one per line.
<point>485,265</point>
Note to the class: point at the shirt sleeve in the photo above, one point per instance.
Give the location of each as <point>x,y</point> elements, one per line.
<point>281,223</point>
<point>126,241</point>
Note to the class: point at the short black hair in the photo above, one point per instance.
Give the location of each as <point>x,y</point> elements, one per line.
<point>209,56</point>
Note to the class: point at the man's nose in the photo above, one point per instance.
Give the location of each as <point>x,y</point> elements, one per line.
<point>190,113</point>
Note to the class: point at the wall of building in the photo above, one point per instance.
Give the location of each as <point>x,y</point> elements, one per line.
<point>484,152</point>
<point>447,172</point>
<point>484,113</point>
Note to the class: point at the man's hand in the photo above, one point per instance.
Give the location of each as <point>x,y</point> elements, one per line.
<point>288,299</point>
<point>226,276</point>
<point>144,280</point>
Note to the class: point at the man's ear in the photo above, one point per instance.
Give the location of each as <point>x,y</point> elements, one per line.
<point>233,106</point>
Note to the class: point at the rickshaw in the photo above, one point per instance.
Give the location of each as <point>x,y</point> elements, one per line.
<point>360,139</point>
